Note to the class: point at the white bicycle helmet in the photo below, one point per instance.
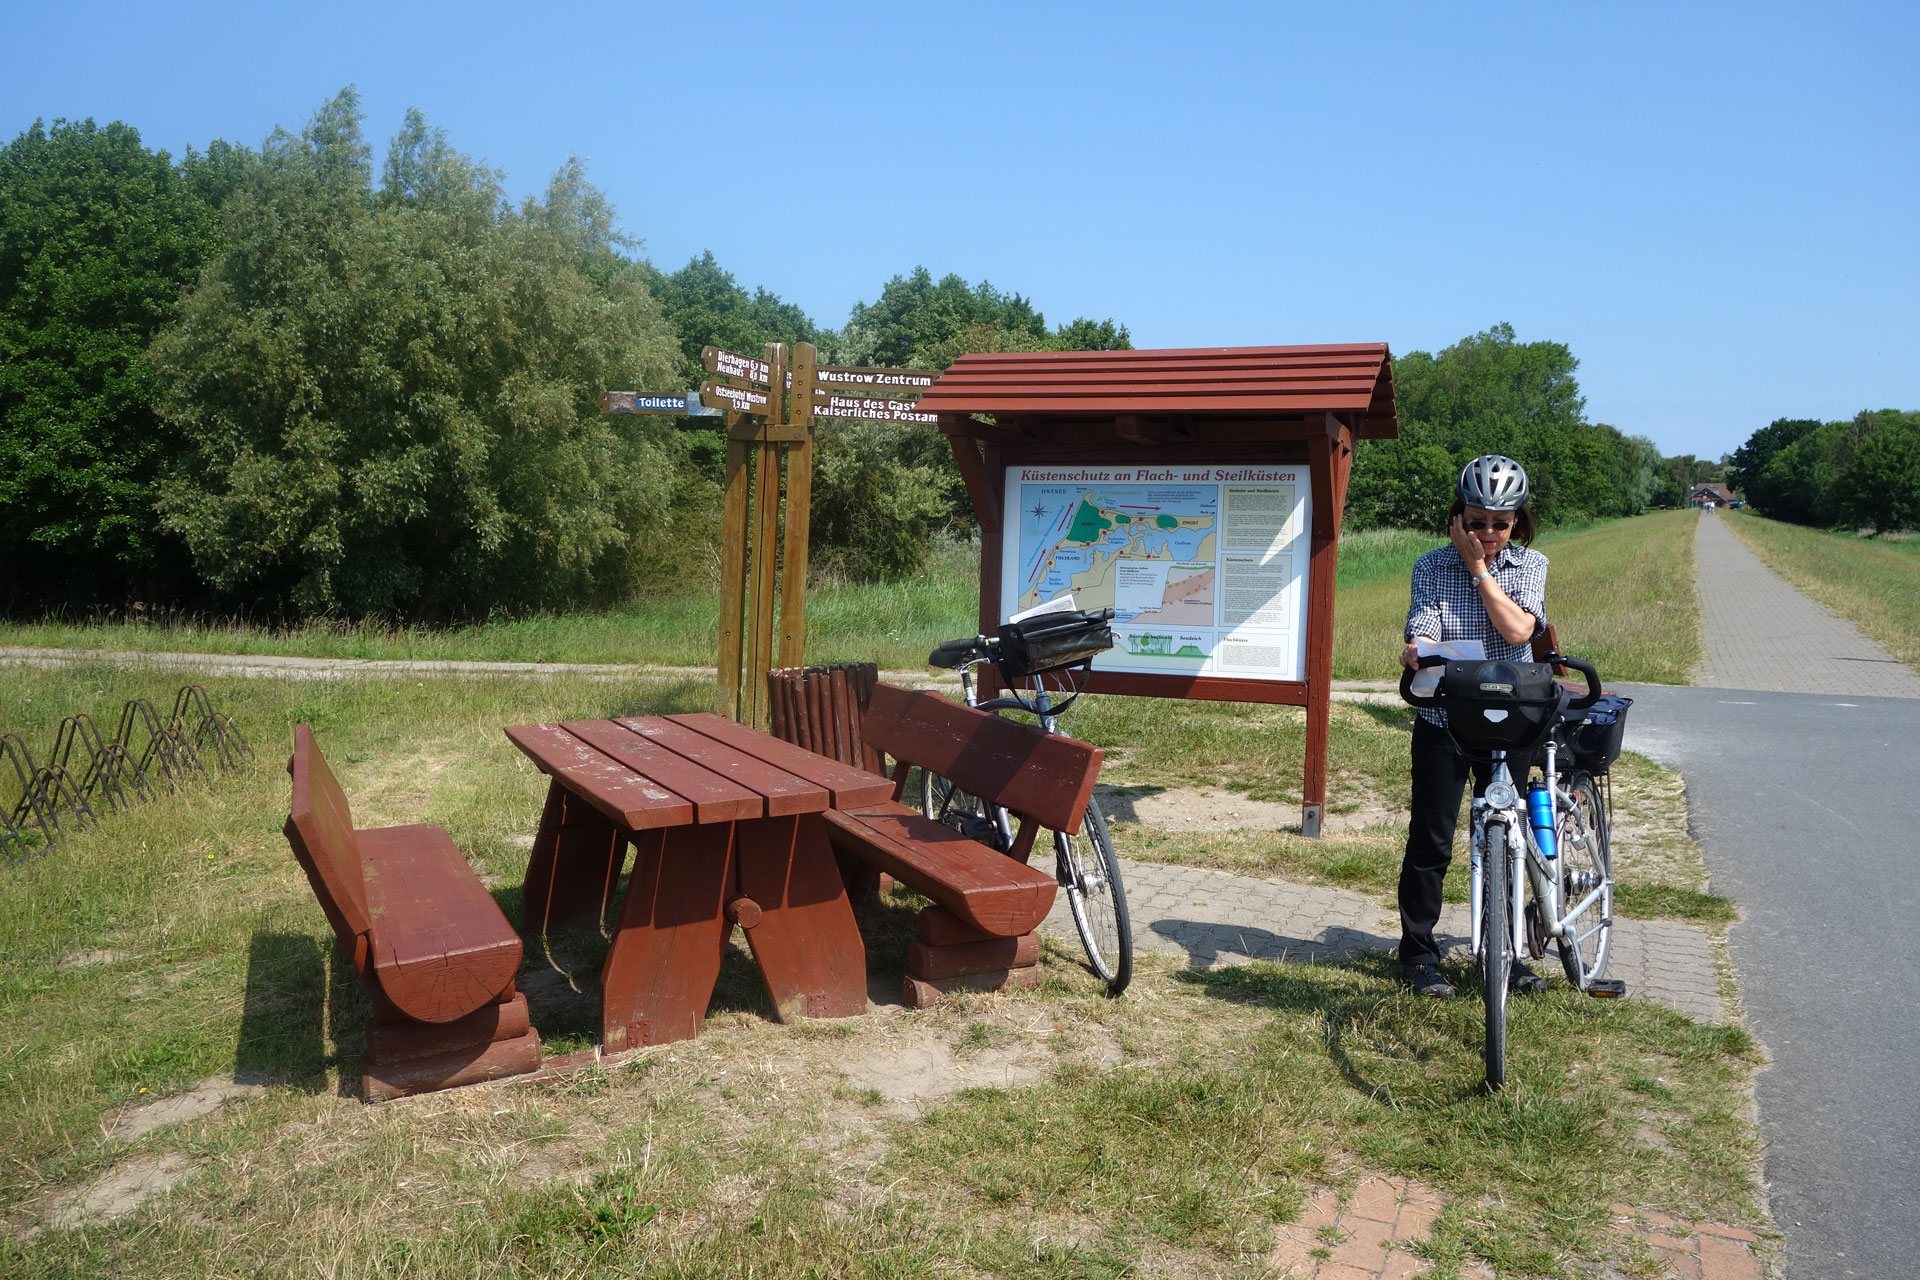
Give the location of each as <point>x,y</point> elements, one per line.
<point>1493,482</point>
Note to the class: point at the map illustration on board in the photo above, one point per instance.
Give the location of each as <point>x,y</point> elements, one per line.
<point>1199,565</point>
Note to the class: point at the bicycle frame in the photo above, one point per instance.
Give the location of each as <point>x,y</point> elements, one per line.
<point>1542,871</point>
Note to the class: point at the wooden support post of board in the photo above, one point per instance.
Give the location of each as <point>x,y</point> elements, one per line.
<point>764,536</point>
<point>1329,455</point>
<point>793,570</point>
<point>733,569</point>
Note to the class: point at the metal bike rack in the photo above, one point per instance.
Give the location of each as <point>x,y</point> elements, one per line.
<point>31,812</point>
<point>210,728</point>
<point>109,772</point>
<point>165,746</point>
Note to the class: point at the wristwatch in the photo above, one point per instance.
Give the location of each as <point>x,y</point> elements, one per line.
<point>1484,573</point>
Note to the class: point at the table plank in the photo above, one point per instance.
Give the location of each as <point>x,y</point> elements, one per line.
<point>850,786</point>
<point>786,794</point>
<point>608,786</point>
<point>715,799</point>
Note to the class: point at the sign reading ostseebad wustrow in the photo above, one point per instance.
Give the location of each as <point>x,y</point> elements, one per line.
<point>1205,567</point>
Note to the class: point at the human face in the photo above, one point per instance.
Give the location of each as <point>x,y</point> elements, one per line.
<point>1491,539</point>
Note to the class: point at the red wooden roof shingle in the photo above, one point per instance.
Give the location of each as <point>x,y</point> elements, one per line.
<point>1353,380</point>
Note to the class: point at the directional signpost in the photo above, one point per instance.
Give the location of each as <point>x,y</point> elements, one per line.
<point>770,431</point>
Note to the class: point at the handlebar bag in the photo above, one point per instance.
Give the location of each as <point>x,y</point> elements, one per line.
<point>1595,740</point>
<point>1500,706</point>
<point>1051,641</point>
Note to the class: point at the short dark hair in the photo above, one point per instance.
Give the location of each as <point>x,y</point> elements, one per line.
<point>1523,530</point>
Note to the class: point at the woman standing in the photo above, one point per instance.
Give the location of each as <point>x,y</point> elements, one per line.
<point>1485,588</point>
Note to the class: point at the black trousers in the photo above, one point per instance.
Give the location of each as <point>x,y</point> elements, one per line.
<point>1439,777</point>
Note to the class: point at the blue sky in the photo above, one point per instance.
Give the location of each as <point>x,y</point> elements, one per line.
<point>1713,205</point>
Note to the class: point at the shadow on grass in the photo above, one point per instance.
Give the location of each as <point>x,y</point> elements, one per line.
<point>1375,1011</point>
<point>300,994</point>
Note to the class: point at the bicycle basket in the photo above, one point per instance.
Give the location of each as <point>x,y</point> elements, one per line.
<point>1051,641</point>
<point>1593,741</point>
<point>1500,706</point>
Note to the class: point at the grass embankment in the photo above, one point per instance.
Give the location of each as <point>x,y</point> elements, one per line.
<point>1872,582</point>
<point>1620,594</point>
<point>1622,591</point>
<point>1166,1132</point>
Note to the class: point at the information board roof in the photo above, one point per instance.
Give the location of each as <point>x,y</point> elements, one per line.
<point>1354,381</point>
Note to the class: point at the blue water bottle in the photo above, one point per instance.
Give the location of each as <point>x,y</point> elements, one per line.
<point>1540,817</point>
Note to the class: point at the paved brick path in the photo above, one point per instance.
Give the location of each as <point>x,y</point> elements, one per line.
<point>1212,918</point>
<point>1761,633</point>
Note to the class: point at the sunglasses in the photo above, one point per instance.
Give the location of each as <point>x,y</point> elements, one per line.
<point>1498,526</point>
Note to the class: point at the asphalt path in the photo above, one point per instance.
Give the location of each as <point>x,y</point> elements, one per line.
<point>1807,807</point>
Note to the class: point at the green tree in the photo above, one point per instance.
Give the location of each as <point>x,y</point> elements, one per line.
<point>98,238</point>
<point>1880,488</point>
<point>706,307</point>
<point>388,397</point>
<point>1747,471</point>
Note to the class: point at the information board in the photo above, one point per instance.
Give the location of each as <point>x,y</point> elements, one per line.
<point>1205,567</point>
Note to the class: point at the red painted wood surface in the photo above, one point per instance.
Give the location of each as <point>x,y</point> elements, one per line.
<point>982,886</point>
<point>938,927</point>
<point>848,785</point>
<point>993,955</point>
<point>1040,775</point>
<point>389,1042</point>
<point>714,798</point>
<point>441,948</point>
<point>576,860</point>
<point>320,830</point>
<point>784,793</point>
<point>665,958</point>
<point>612,788</point>
<point>805,941</point>
<point>1354,379</point>
<point>918,993</point>
<point>493,1060</point>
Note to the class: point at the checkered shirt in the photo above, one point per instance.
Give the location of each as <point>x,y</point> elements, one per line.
<point>1446,605</point>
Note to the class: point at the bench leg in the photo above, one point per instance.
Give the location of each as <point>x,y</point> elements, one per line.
<point>665,956</point>
<point>805,942</point>
<point>576,861</point>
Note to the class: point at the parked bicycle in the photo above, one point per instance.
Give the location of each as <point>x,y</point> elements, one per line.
<point>1043,653</point>
<point>1559,830</point>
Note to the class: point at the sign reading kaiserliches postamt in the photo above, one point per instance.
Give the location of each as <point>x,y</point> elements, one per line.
<point>1205,567</point>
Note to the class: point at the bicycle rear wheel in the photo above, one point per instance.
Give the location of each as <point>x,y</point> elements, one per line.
<point>1496,953</point>
<point>1586,864</point>
<point>1090,876</point>
<point>944,802</point>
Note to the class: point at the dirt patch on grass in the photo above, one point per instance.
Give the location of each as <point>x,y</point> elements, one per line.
<point>203,1099</point>
<point>119,1191</point>
<point>88,959</point>
<point>1213,809</point>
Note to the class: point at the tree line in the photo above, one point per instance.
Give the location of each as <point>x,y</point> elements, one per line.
<point>1863,473</point>
<point>270,378</point>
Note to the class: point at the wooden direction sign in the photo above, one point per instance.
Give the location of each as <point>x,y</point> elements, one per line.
<point>890,381</point>
<point>868,409</point>
<point>739,399</point>
<point>637,402</point>
<point>726,362</point>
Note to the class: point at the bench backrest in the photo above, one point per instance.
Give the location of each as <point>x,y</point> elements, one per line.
<point>1040,775</point>
<point>320,829</point>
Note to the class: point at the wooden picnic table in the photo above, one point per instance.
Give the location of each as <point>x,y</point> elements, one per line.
<point>726,828</point>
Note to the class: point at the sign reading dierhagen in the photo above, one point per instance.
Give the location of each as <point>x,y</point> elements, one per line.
<point>1205,567</point>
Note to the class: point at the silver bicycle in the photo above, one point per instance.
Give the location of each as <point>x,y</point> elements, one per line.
<point>1088,871</point>
<point>1558,829</point>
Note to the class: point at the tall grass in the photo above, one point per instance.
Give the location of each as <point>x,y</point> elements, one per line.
<point>1873,582</point>
<point>1620,593</point>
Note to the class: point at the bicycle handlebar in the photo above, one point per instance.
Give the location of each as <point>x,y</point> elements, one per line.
<point>1581,665</point>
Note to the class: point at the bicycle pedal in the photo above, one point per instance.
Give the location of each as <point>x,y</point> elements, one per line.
<point>1607,988</point>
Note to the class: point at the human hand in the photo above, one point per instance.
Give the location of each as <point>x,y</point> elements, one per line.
<point>1410,656</point>
<point>1472,554</point>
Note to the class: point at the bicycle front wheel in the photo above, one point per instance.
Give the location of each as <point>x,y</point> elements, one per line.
<point>944,802</point>
<point>1586,865</point>
<point>1496,950</point>
<point>1090,877</point>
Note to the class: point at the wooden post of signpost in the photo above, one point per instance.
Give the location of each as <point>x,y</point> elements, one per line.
<point>772,404</point>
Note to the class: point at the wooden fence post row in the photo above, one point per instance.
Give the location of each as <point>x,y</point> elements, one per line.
<point>771,404</point>
<point>84,769</point>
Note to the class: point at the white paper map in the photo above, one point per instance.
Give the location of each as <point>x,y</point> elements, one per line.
<point>1204,567</point>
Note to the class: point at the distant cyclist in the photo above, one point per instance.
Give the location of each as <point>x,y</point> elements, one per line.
<point>1483,587</point>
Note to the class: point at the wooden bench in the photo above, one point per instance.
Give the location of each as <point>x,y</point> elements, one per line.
<point>431,946</point>
<point>978,935</point>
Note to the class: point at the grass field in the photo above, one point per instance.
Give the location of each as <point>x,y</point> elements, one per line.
<point>1052,1133</point>
<point>1621,593</point>
<point>1872,582</point>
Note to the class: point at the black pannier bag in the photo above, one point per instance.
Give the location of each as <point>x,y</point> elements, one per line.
<point>1500,706</point>
<point>1593,743</point>
<point>1051,641</point>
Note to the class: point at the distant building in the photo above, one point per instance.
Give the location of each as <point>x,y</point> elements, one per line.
<point>1713,495</point>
